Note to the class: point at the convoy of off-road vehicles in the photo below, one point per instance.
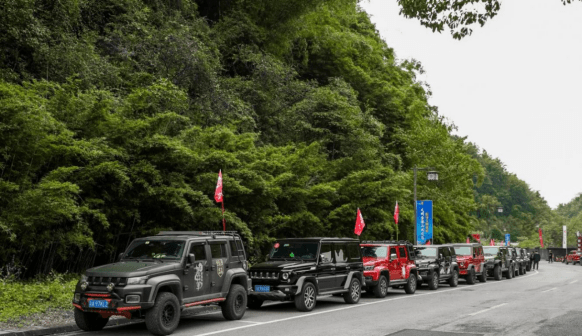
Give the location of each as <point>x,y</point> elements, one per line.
<point>158,277</point>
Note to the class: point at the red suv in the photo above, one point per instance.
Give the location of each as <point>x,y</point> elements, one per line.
<point>471,262</point>
<point>573,257</point>
<point>389,263</point>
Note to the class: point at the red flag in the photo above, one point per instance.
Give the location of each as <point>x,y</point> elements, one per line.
<point>468,241</point>
<point>360,225</point>
<point>541,239</point>
<point>218,192</point>
<point>396,212</point>
<point>477,237</point>
<point>428,242</point>
<point>492,242</point>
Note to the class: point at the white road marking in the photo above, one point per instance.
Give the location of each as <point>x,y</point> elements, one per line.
<point>551,289</point>
<point>573,282</point>
<point>488,309</point>
<point>249,322</point>
<point>356,306</point>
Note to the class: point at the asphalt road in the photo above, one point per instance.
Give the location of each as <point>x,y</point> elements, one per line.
<point>544,302</point>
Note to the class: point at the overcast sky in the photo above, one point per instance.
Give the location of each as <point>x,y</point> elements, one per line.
<point>513,87</point>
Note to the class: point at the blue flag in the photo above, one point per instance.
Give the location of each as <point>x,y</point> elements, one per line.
<point>423,221</point>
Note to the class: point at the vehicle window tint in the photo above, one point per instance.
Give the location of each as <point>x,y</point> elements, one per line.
<point>325,254</point>
<point>402,252</point>
<point>199,251</point>
<point>446,252</point>
<point>341,253</point>
<point>234,249</point>
<point>218,251</point>
<point>411,254</point>
<point>354,253</point>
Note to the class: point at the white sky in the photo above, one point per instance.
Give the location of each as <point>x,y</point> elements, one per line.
<point>513,87</point>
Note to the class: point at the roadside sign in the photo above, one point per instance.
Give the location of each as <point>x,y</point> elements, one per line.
<point>507,239</point>
<point>423,221</point>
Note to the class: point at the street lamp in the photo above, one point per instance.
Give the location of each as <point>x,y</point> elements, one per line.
<point>431,175</point>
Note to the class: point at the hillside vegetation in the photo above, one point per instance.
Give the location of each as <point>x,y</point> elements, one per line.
<point>117,115</point>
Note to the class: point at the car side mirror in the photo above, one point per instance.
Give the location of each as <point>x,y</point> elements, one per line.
<point>120,256</point>
<point>440,255</point>
<point>393,256</point>
<point>191,258</point>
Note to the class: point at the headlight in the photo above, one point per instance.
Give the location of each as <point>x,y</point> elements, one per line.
<point>368,268</point>
<point>83,281</point>
<point>137,281</point>
<point>110,287</point>
<point>77,297</point>
<point>285,276</point>
<point>83,278</point>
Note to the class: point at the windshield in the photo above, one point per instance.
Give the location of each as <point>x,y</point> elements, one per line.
<point>490,250</point>
<point>463,250</point>
<point>374,251</point>
<point>427,252</point>
<point>155,249</point>
<point>294,250</point>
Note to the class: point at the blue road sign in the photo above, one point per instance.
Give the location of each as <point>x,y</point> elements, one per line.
<point>507,239</point>
<point>423,221</point>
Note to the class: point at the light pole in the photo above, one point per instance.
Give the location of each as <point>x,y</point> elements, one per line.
<point>431,175</point>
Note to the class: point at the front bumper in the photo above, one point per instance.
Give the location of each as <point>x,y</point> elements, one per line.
<point>277,293</point>
<point>116,304</point>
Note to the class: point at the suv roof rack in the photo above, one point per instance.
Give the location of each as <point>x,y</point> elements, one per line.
<point>391,242</point>
<point>199,233</point>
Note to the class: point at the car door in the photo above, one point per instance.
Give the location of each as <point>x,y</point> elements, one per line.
<point>219,258</point>
<point>393,264</point>
<point>326,268</point>
<point>402,261</point>
<point>342,268</point>
<point>197,274</point>
<point>445,261</point>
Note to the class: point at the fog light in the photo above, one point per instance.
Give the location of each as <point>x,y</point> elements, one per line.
<point>84,285</point>
<point>285,276</point>
<point>110,287</point>
<point>132,299</point>
<point>77,297</point>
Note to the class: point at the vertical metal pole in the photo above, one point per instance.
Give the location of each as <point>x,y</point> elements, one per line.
<point>414,205</point>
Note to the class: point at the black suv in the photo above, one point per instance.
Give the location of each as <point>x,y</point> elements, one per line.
<point>300,269</point>
<point>498,262</point>
<point>159,276</point>
<point>436,264</point>
<point>519,259</point>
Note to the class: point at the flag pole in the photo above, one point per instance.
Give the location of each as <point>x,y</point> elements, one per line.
<point>223,221</point>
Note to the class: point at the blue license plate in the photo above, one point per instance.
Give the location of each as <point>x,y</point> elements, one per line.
<point>98,304</point>
<point>262,288</point>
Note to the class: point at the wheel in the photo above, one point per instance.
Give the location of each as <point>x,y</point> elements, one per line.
<point>254,303</point>
<point>497,272</point>
<point>521,270</point>
<point>236,303</point>
<point>471,276</point>
<point>454,279</point>
<point>483,276</point>
<point>164,316</point>
<point>381,289</point>
<point>354,293</point>
<point>509,274</point>
<point>515,270</point>
<point>89,321</point>
<point>434,281</point>
<point>410,286</point>
<point>305,301</point>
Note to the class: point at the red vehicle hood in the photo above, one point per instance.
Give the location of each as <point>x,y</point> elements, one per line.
<point>369,261</point>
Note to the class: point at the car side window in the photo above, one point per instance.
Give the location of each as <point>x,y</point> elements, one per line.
<point>354,252</point>
<point>199,251</point>
<point>325,254</point>
<point>341,254</point>
<point>402,252</point>
<point>445,251</point>
<point>218,251</point>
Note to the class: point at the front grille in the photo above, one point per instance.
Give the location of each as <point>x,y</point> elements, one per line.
<point>104,281</point>
<point>264,275</point>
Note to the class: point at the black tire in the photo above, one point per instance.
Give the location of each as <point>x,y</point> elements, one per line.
<point>434,281</point>
<point>354,292</point>
<point>521,270</point>
<point>89,321</point>
<point>509,273</point>
<point>410,286</point>
<point>236,303</point>
<point>454,279</point>
<point>497,272</point>
<point>483,276</point>
<point>381,289</point>
<point>164,316</point>
<point>254,303</point>
<point>516,271</point>
<point>470,277</point>
<point>305,301</point>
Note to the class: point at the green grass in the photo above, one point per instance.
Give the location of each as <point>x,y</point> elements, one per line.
<point>22,298</point>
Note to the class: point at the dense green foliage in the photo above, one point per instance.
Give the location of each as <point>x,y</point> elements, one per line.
<point>35,296</point>
<point>117,115</point>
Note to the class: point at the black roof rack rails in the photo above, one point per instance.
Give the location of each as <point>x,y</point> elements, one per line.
<point>392,242</point>
<point>199,233</point>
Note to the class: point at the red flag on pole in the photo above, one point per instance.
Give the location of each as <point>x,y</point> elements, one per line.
<point>219,197</point>
<point>359,223</point>
<point>468,241</point>
<point>492,242</point>
<point>541,239</point>
<point>396,212</point>
<point>477,237</point>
